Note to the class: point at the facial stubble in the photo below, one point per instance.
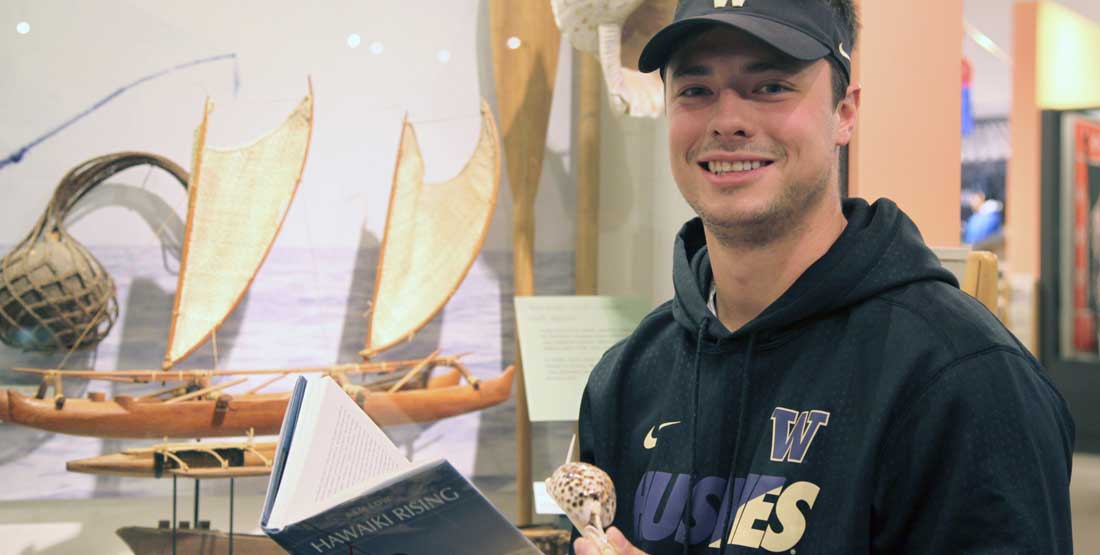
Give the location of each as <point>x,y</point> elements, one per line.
<point>782,217</point>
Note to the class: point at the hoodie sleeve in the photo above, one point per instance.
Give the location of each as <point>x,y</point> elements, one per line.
<point>585,446</point>
<point>585,431</point>
<point>979,462</point>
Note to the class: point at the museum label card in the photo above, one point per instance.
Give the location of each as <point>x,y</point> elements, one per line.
<point>544,504</point>
<point>561,339</point>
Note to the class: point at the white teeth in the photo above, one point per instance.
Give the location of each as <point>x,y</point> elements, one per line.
<point>720,167</point>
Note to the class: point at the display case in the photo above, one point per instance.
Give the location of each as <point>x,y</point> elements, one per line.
<point>370,173</point>
<point>1070,271</point>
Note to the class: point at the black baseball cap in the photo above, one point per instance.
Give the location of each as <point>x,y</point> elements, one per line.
<point>803,29</point>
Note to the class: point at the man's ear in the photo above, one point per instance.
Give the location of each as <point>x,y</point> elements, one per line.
<point>846,114</point>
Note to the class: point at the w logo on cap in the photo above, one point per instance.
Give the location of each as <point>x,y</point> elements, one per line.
<point>794,431</point>
<point>730,3</point>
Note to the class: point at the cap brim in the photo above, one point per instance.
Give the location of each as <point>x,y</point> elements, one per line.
<point>786,39</point>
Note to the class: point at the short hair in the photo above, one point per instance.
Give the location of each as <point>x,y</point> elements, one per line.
<point>848,18</point>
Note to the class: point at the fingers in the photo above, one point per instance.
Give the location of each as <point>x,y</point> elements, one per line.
<point>617,540</point>
<point>591,545</point>
<point>584,546</point>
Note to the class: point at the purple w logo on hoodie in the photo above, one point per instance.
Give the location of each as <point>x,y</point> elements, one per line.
<point>793,432</point>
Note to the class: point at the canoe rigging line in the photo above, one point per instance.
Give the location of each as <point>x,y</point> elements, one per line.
<point>17,156</point>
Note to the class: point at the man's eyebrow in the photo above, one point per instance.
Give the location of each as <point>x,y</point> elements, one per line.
<point>787,65</point>
<point>691,70</point>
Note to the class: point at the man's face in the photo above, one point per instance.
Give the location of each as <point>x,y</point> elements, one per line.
<point>752,134</point>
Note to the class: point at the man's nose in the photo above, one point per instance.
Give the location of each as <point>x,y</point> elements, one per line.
<point>732,116</point>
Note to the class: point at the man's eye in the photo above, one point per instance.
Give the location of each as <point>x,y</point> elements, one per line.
<point>773,88</point>
<point>694,91</point>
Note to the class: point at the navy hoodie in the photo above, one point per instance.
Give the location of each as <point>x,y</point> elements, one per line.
<point>872,408</point>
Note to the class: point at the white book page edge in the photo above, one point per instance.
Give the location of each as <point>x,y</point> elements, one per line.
<point>296,457</point>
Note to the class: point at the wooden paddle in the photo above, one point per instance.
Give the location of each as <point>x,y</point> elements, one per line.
<point>525,43</point>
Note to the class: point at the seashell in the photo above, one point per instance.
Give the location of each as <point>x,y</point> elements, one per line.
<point>587,496</point>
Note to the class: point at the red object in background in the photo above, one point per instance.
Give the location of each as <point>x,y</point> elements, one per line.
<point>1093,147</point>
<point>968,124</point>
<point>1086,140</point>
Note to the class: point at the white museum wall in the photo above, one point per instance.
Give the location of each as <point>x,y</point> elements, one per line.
<point>78,53</point>
<point>641,209</point>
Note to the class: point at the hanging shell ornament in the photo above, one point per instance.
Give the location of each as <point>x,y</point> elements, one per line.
<point>54,294</point>
<point>587,496</point>
<point>596,27</point>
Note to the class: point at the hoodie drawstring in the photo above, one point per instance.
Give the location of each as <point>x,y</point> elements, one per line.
<point>694,414</point>
<point>741,411</point>
<point>688,525</point>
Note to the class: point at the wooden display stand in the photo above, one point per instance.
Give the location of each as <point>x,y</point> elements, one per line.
<point>524,73</point>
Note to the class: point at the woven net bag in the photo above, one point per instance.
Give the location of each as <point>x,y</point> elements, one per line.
<point>54,294</point>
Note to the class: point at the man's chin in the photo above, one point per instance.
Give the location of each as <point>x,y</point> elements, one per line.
<point>724,217</point>
<point>744,228</point>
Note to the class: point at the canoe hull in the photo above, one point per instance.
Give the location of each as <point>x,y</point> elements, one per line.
<point>130,418</point>
<point>261,414</point>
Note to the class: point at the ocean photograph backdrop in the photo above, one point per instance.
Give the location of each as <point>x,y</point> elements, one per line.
<point>143,74</point>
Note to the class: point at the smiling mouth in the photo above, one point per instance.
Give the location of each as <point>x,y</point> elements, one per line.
<point>720,167</point>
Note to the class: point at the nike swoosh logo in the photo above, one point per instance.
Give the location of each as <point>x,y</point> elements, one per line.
<point>650,440</point>
<point>843,53</point>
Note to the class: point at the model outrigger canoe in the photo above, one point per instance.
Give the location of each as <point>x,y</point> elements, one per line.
<point>238,200</point>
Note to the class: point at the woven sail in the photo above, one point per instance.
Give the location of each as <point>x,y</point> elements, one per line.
<point>238,200</point>
<point>433,233</point>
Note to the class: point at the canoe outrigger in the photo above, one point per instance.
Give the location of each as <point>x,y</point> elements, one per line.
<point>199,460</point>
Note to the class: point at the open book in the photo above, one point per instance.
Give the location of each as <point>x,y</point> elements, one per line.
<point>339,485</point>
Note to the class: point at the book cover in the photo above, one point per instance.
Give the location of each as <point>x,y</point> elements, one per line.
<point>431,510</point>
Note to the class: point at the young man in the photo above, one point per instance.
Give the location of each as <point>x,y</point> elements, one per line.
<point>819,384</point>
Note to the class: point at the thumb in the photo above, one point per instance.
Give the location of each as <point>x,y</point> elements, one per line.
<point>622,545</point>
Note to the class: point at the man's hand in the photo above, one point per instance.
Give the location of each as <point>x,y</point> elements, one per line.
<point>584,546</point>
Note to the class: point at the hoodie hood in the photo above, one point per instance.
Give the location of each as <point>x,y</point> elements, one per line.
<point>880,249</point>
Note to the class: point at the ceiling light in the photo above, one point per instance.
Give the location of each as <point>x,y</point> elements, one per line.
<point>987,44</point>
